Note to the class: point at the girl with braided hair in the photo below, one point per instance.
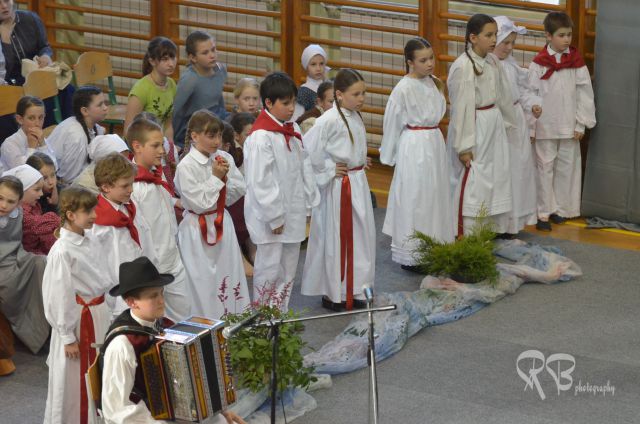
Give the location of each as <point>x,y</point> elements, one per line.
<point>481,107</point>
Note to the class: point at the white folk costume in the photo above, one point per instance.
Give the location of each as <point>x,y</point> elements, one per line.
<point>69,143</point>
<point>15,150</point>
<point>154,199</point>
<point>420,197</point>
<point>215,273</point>
<point>521,155</point>
<point>120,234</point>
<point>21,284</point>
<point>280,190</point>
<point>563,82</point>
<point>341,253</point>
<point>481,106</point>
<point>73,291</point>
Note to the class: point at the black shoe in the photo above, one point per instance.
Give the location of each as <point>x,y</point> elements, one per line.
<point>557,219</point>
<point>543,226</point>
<point>359,304</point>
<point>412,268</point>
<point>506,236</point>
<point>332,306</point>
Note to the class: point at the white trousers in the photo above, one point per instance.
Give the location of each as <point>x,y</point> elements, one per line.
<point>559,176</point>
<point>273,273</point>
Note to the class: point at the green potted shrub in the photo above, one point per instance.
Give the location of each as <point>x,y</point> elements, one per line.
<point>467,260</point>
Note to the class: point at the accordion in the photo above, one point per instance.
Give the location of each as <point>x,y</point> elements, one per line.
<point>187,372</point>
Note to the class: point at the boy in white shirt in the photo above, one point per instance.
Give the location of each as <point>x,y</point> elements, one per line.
<point>155,200</point>
<point>560,77</point>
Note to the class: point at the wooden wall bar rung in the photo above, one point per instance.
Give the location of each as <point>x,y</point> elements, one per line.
<point>229,49</point>
<point>260,33</point>
<point>544,7</point>
<point>228,9</point>
<point>464,18</point>
<point>78,48</point>
<point>367,68</point>
<point>369,5</point>
<point>96,11</point>
<point>460,39</point>
<point>95,30</point>
<point>345,44</point>
<point>339,23</point>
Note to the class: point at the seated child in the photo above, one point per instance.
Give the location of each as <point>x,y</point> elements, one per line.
<point>123,388</point>
<point>37,227</point>
<point>20,272</point>
<point>314,59</point>
<point>247,96</point>
<point>44,163</point>
<point>16,149</point>
<point>324,102</point>
<point>73,291</point>
<point>101,146</point>
<point>70,140</point>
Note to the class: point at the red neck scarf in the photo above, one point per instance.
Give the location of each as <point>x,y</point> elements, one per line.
<point>567,60</point>
<point>108,216</point>
<point>155,177</point>
<point>266,122</point>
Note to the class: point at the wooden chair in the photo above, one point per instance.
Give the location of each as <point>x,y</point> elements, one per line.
<point>47,131</point>
<point>93,67</point>
<point>9,96</point>
<point>42,84</point>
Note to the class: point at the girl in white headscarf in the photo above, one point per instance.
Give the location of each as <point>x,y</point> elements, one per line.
<point>314,60</point>
<point>527,107</point>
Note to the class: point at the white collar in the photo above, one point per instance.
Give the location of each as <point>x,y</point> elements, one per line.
<point>555,54</point>
<point>141,321</point>
<point>274,118</point>
<point>74,238</point>
<point>479,60</point>
<point>4,220</point>
<point>200,157</point>
<point>119,207</point>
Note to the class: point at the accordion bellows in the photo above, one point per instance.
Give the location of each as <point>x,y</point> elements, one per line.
<point>187,372</point>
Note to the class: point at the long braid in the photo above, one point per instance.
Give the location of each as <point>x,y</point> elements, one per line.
<point>344,119</point>
<point>466,50</point>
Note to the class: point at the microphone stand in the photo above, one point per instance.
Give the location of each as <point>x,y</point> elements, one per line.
<point>371,360</point>
<point>274,335</point>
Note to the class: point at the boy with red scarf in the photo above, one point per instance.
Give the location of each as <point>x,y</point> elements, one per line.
<point>120,230</point>
<point>156,200</point>
<point>281,189</point>
<point>559,76</point>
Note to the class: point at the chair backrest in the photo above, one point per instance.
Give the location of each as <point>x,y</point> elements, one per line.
<point>41,84</point>
<point>9,96</point>
<point>46,132</point>
<point>92,67</point>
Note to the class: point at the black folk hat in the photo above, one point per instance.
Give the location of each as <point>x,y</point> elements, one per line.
<point>137,274</point>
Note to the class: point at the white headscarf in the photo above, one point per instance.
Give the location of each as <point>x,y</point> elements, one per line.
<point>103,145</point>
<point>506,27</point>
<point>26,174</point>
<point>307,55</point>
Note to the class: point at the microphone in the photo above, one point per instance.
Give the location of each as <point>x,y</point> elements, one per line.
<point>368,293</point>
<point>231,330</point>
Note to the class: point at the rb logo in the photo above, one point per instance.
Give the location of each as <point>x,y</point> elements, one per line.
<point>563,378</point>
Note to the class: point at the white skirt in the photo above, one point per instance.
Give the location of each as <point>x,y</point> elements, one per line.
<point>420,197</point>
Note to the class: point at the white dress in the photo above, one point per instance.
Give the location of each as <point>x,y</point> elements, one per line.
<point>15,150</point>
<point>523,167</point>
<point>215,274</point>
<point>155,204</point>
<point>420,197</point>
<point>328,143</point>
<point>69,143</point>
<point>478,127</point>
<point>73,267</point>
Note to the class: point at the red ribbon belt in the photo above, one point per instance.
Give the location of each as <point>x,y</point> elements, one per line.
<point>87,353</point>
<point>346,236</point>
<point>218,222</point>
<point>460,219</point>
<point>411,127</point>
<point>486,107</point>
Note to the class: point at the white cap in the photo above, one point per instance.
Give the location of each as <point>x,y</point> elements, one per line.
<point>506,27</point>
<point>26,174</point>
<point>103,145</point>
<point>313,50</point>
